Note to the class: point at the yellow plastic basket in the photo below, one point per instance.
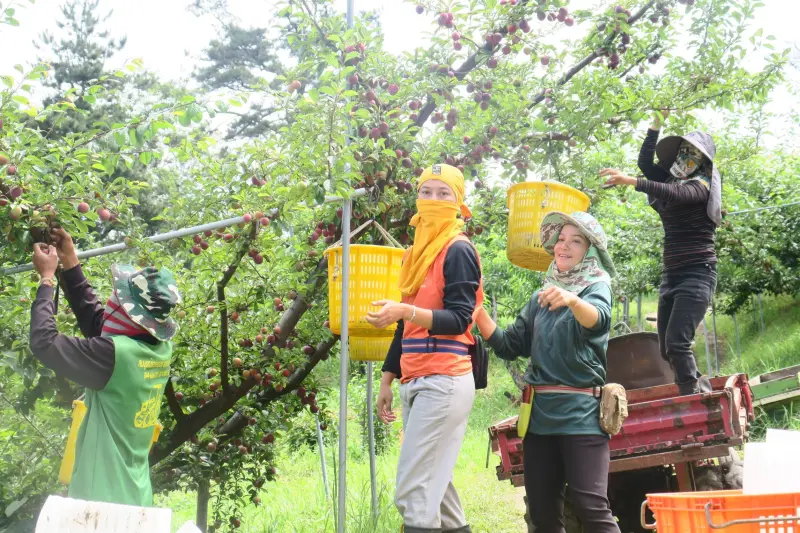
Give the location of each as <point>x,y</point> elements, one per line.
<point>528,203</point>
<point>374,275</point>
<point>369,348</point>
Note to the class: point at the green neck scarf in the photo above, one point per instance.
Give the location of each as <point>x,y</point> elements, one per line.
<point>586,273</point>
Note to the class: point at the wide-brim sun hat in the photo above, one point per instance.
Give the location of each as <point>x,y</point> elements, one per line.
<point>667,148</point>
<point>554,221</point>
<point>667,151</point>
<point>148,296</point>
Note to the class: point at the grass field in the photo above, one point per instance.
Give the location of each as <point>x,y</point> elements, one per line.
<point>296,501</point>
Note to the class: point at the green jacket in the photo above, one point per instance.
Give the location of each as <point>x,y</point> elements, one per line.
<point>562,352</point>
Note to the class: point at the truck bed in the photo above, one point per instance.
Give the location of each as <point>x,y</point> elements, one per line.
<point>662,428</point>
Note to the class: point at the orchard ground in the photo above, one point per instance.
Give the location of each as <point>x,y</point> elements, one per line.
<point>296,502</point>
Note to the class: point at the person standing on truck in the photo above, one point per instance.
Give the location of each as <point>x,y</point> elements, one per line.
<point>440,283</point>
<point>124,363</point>
<point>685,189</point>
<point>563,329</point>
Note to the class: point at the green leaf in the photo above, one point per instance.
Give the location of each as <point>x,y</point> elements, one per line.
<point>145,158</point>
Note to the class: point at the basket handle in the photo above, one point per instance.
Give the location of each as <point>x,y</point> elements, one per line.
<point>765,520</point>
<point>385,234</point>
<point>546,195</point>
<point>643,518</point>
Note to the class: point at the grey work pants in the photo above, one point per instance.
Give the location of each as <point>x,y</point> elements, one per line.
<point>435,413</point>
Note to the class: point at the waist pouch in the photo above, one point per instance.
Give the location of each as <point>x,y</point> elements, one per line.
<point>613,404</point>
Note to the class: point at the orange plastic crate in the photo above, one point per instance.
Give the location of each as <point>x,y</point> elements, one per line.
<point>729,511</point>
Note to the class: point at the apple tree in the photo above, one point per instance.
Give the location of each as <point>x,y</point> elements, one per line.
<point>503,89</point>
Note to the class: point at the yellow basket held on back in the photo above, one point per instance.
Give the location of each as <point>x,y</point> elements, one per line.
<point>68,462</point>
<point>374,275</point>
<point>528,203</point>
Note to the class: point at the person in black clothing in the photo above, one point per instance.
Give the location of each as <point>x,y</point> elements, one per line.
<point>685,189</point>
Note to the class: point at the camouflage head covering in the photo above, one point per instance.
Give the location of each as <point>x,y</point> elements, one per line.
<point>148,296</point>
<point>596,265</point>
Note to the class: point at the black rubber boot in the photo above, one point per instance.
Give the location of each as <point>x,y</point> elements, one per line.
<point>412,529</point>
<point>688,388</point>
<point>702,384</point>
<point>462,529</point>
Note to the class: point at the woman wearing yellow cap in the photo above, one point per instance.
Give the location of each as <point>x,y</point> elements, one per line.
<point>440,283</point>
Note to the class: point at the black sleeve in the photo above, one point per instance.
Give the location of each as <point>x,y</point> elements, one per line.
<point>83,302</point>
<point>647,158</point>
<point>462,275</point>
<point>688,192</point>
<point>87,362</point>
<point>392,361</point>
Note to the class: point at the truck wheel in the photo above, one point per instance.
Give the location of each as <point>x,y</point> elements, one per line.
<point>727,475</point>
<point>732,469</point>
<point>572,524</point>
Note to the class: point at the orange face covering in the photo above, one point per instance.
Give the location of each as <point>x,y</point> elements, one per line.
<point>436,224</point>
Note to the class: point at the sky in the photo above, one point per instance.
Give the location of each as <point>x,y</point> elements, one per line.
<point>169,39</point>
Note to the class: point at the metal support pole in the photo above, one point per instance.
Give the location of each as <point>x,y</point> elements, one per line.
<point>344,368</point>
<point>639,311</point>
<point>708,348</point>
<point>112,248</point>
<point>344,341</point>
<point>176,234</point>
<point>371,429</point>
<point>324,466</point>
<point>714,327</point>
<point>736,332</point>
<point>626,312</point>
<point>760,312</point>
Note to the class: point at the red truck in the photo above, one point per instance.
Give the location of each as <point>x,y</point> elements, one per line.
<point>668,442</point>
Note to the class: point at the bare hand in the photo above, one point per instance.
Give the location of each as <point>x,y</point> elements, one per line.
<point>390,313</point>
<point>65,247</point>
<point>555,298</point>
<point>616,177</point>
<point>385,398</point>
<point>45,259</point>
<point>658,120</point>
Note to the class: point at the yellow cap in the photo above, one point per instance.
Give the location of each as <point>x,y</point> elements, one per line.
<point>452,177</point>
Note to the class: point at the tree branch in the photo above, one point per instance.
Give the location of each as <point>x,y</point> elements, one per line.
<point>236,423</point>
<point>172,402</point>
<point>586,61</point>
<point>223,308</point>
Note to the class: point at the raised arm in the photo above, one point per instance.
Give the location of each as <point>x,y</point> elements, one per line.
<point>88,362</point>
<point>516,340</point>
<point>79,292</point>
<point>647,153</point>
<point>694,191</point>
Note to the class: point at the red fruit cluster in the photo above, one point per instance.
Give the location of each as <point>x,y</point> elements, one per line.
<point>255,256</point>
<point>445,19</point>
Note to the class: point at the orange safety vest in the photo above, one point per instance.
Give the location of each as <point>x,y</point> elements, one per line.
<point>426,355</point>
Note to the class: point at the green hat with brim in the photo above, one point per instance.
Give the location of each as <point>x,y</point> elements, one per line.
<point>588,226</point>
<point>148,296</point>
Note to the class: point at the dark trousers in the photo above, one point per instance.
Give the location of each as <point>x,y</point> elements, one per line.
<point>580,461</point>
<point>683,299</point>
